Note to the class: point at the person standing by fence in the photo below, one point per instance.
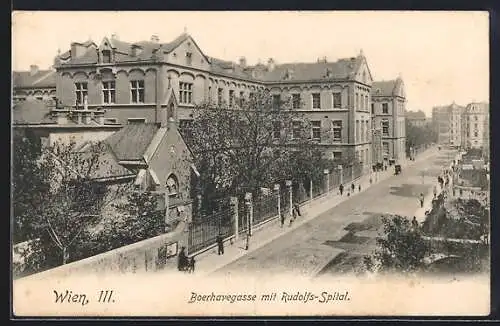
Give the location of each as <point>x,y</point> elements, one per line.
<point>421,200</point>
<point>341,189</point>
<point>353,187</point>
<point>220,245</point>
<point>182,260</point>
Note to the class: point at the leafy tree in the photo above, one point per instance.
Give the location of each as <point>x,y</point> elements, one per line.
<point>64,199</point>
<point>137,217</point>
<point>242,148</point>
<point>401,249</point>
<point>417,136</point>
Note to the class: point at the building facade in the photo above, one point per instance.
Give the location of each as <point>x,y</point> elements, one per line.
<point>475,125</point>
<point>388,113</point>
<point>416,118</point>
<point>131,80</point>
<point>35,84</point>
<point>447,121</point>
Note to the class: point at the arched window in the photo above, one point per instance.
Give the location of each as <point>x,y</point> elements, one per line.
<point>170,112</point>
<point>172,186</point>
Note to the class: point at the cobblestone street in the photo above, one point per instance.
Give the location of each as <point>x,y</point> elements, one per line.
<point>325,243</point>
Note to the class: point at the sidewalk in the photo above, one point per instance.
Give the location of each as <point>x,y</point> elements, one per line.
<point>209,261</point>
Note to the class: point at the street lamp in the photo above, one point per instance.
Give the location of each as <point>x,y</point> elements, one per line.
<point>288,183</point>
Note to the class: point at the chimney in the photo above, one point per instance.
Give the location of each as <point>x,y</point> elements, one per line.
<point>155,39</point>
<point>243,62</point>
<point>77,50</point>
<point>33,70</point>
<point>270,64</point>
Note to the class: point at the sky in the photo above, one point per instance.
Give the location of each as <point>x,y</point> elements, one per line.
<point>442,57</point>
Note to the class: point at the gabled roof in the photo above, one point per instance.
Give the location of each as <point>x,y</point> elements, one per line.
<point>341,69</point>
<point>131,142</point>
<point>384,88</point>
<point>41,79</point>
<point>30,112</point>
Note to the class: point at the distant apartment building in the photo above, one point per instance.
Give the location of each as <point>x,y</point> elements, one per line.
<point>475,123</point>
<point>416,118</point>
<point>388,113</point>
<point>448,124</point>
<point>130,81</point>
<point>35,84</point>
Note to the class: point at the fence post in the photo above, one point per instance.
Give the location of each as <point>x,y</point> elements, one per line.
<point>249,214</point>
<point>234,208</point>
<point>326,172</point>
<point>311,189</point>
<point>341,174</point>
<point>290,190</point>
<point>277,189</point>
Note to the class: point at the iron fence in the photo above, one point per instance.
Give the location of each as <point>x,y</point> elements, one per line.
<point>265,208</point>
<point>203,233</point>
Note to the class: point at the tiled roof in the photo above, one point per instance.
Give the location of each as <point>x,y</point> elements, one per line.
<point>341,69</point>
<point>107,166</point>
<point>383,88</point>
<point>43,78</point>
<point>30,112</point>
<point>412,115</point>
<point>131,142</point>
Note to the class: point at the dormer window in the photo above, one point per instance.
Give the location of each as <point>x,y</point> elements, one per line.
<point>189,58</point>
<point>106,56</point>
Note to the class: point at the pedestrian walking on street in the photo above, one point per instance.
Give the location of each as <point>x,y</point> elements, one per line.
<point>353,187</point>
<point>192,262</point>
<point>421,200</point>
<point>282,219</point>
<point>341,189</point>
<point>220,245</point>
<point>182,260</point>
<point>435,192</point>
<point>297,209</point>
<point>359,188</point>
<point>371,181</point>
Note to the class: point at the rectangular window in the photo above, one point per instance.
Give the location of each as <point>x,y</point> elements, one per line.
<point>219,96</point>
<point>231,98</point>
<point>366,102</point>
<point>242,97</point>
<point>385,108</point>
<point>186,128</point>
<point>137,91</point>
<point>373,108</point>
<point>296,101</point>
<point>296,128</point>
<point>185,93</point>
<point>385,127</point>
<point>136,120</point>
<point>337,155</point>
<point>209,93</point>
<point>108,92</point>
<point>337,130</point>
<point>189,58</point>
<point>337,100</point>
<point>81,91</point>
<point>385,148</point>
<point>362,98</point>
<point>316,101</point>
<point>316,130</point>
<point>276,129</point>
<point>357,139</point>
<point>106,56</point>
<point>276,102</point>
